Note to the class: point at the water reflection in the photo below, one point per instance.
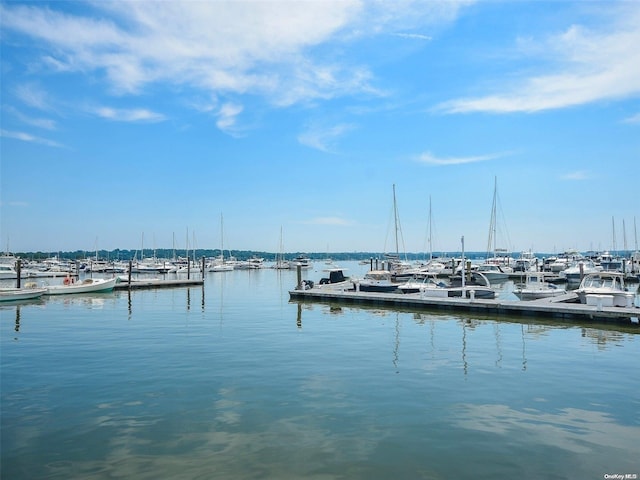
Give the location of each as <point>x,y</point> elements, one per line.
<point>476,334</point>
<point>572,429</point>
<point>17,327</point>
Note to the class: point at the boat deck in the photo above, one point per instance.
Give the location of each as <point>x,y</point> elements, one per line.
<point>552,307</point>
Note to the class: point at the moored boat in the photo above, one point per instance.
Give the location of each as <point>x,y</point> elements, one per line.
<point>25,293</point>
<point>376,281</point>
<point>536,287</point>
<point>88,285</point>
<point>605,289</point>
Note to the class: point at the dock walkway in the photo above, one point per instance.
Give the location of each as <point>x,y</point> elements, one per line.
<point>149,284</point>
<point>523,308</point>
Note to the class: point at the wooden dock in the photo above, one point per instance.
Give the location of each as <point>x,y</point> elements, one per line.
<point>150,284</point>
<point>548,307</point>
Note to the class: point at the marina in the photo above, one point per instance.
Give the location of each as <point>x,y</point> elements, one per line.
<point>232,377</point>
<point>546,308</point>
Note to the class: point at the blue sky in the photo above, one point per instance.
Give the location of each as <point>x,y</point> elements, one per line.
<point>123,120</point>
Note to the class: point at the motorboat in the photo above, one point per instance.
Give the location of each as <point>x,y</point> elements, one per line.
<point>8,272</point>
<point>88,285</point>
<point>467,282</point>
<point>26,293</point>
<point>536,287</point>
<point>493,272</point>
<point>300,261</point>
<point>335,280</point>
<point>376,281</point>
<point>477,286</point>
<point>428,284</point>
<point>605,288</point>
<point>578,269</point>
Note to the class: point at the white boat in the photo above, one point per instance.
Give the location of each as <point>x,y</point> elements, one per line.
<point>301,261</point>
<point>221,267</point>
<point>477,286</point>
<point>495,273</point>
<point>376,281</point>
<point>429,285</point>
<point>336,280</point>
<point>605,289</point>
<point>88,285</point>
<point>26,293</point>
<point>536,287</point>
<point>7,272</point>
<point>577,269</point>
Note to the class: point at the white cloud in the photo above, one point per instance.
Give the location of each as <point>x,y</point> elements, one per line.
<point>430,159</point>
<point>589,66</point>
<point>634,119</point>
<point>128,115</point>
<point>413,36</point>
<point>27,137</point>
<point>33,96</point>
<point>323,138</point>
<point>227,116</point>
<point>577,175</point>
<point>221,47</point>
<point>44,123</point>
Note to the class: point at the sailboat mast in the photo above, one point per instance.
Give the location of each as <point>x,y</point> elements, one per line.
<point>395,217</point>
<point>430,238</point>
<point>492,223</point>
<point>221,239</point>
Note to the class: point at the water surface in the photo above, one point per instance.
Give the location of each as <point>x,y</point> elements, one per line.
<point>233,381</point>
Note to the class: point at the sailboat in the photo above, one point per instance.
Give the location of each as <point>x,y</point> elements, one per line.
<point>397,267</point>
<point>220,264</point>
<point>500,257</point>
<point>281,263</point>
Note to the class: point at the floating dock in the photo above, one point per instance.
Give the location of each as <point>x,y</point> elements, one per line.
<point>546,307</point>
<point>150,284</point>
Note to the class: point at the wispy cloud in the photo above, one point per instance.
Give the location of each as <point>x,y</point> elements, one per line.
<point>27,137</point>
<point>222,47</point>
<point>577,175</point>
<point>635,119</point>
<point>588,66</point>
<point>33,95</point>
<point>128,115</point>
<point>413,36</point>
<point>430,159</point>
<point>323,138</point>
<point>227,116</point>
<point>39,122</point>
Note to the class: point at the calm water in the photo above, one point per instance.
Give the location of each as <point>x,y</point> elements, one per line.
<point>232,381</point>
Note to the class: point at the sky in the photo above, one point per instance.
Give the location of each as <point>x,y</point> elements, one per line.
<point>287,125</point>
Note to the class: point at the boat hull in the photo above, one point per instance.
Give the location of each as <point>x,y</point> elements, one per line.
<point>87,286</point>
<point>16,294</point>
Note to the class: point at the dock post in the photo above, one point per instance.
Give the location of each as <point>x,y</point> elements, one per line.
<point>130,268</point>
<point>188,269</point>
<point>18,271</point>
<point>299,272</point>
<point>203,258</point>
<point>581,271</point>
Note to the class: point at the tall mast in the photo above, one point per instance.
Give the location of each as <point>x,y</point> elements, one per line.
<point>430,244</point>
<point>395,217</point>
<point>492,223</point>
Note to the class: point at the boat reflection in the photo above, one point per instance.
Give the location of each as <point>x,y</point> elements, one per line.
<point>483,340</point>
